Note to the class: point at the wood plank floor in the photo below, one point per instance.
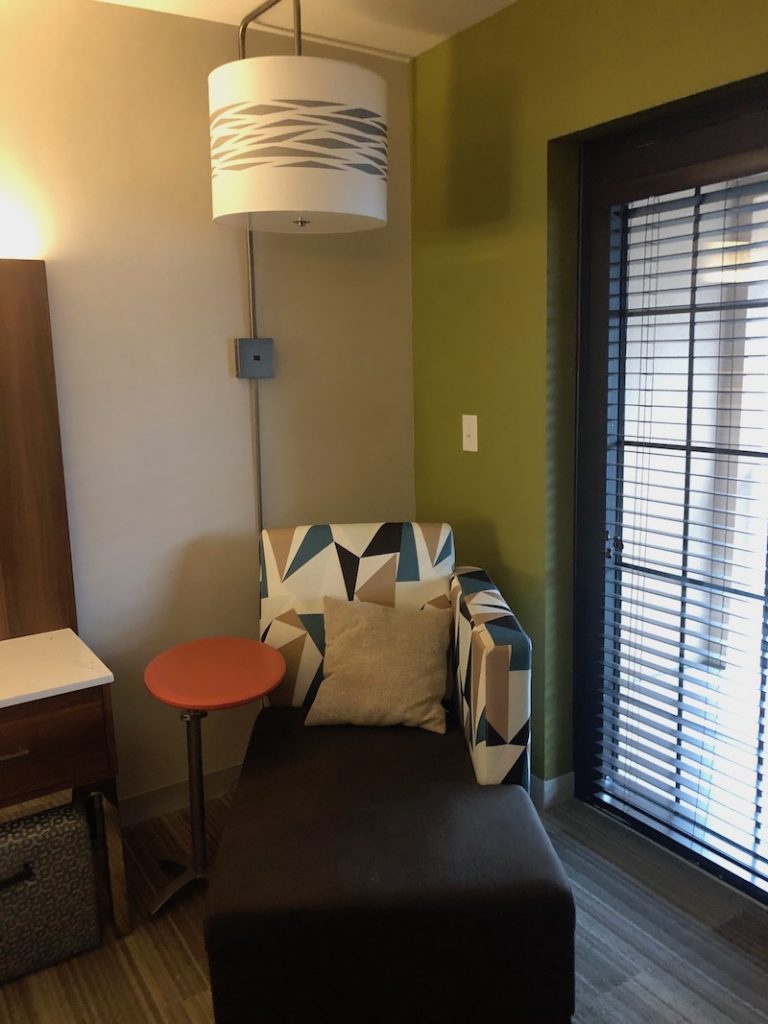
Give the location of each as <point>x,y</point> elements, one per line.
<point>658,942</point>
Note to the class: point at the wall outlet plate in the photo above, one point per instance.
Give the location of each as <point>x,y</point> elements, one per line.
<point>254,357</point>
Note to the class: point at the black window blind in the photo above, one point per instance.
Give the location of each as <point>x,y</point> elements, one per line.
<point>681,739</point>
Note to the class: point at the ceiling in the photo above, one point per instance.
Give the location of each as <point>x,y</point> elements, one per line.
<point>395,28</point>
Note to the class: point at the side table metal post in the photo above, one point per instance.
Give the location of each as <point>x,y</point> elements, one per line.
<point>196,789</point>
<point>197,872</point>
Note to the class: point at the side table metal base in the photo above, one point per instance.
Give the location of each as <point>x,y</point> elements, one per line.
<point>198,872</point>
<point>185,876</point>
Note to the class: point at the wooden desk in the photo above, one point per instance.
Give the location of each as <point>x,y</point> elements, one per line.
<point>56,733</point>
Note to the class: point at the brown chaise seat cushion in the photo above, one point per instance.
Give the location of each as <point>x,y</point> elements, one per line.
<point>365,876</point>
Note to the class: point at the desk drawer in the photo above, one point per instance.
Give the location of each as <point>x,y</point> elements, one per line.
<point>59,741</point>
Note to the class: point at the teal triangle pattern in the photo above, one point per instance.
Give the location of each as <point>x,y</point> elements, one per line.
<point>408,564</point>
<point>502,635</point>
<point>317,539</point>
<point>447,550</point>
<point>470,585</point>
<point>314,623</point>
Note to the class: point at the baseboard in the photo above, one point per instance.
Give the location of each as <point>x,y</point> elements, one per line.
<point>546,793</point>
<point>175,797</point>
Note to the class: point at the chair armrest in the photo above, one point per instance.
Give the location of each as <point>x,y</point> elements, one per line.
<point>492,674</point>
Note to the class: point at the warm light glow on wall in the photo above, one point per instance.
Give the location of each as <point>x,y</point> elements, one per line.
<point>21,234</point>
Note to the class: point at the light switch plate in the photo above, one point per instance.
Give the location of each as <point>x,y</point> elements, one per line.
<point>469,433</point>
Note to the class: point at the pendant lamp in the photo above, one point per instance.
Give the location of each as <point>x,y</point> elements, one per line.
<point>298,144</point>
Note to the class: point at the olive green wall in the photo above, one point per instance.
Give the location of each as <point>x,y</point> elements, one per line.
<point>494,266</point>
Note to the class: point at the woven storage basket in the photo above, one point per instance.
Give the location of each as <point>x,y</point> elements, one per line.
<point>48,908</point>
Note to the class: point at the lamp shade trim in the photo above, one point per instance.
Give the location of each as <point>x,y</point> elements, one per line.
<point>321,134</point>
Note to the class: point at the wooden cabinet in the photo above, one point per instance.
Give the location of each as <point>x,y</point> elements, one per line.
<point>56,734</point>
<point>36,591</point>
<point>60,742</point>
<point>55,713</point>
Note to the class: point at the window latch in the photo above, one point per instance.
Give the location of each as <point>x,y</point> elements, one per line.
<point>613,545</point>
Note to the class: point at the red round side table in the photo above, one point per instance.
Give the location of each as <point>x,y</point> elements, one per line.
<point>201,676</point>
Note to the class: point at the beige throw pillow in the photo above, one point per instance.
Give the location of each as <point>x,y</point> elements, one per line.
<point>383,666</point>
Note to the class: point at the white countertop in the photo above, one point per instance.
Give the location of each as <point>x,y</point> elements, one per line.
<point>47,664</point>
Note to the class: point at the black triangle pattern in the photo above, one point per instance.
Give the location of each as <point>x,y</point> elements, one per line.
<point>350,564</point>
<point>313,687</point>
<point>493,738</point>
<point>518,774</point>
<point>521,737</point>
<point>386,540</point>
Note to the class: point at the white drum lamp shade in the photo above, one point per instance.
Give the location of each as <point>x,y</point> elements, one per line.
<point>299,144</point>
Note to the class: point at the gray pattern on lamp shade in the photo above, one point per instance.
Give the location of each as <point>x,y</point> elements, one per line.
<point>403,565</point>
<point>298,133</point>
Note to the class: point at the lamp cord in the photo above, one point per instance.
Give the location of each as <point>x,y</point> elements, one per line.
<point>255,423</point>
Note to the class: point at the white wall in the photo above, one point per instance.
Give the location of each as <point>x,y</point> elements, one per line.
<point>103,139</point>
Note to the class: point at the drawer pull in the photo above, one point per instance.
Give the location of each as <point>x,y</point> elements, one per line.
<point>14,755</point>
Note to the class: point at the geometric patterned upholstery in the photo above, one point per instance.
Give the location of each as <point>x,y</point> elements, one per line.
<point>404,565</point>
<point>492,661</point>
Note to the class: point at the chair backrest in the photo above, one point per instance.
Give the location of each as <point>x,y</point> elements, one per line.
<point>406,565</point>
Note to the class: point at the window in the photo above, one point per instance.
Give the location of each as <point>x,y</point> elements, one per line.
<point>673,486</point>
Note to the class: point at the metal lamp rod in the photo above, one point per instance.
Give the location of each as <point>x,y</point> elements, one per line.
<point>262,9</point>
<point>257,13</point>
